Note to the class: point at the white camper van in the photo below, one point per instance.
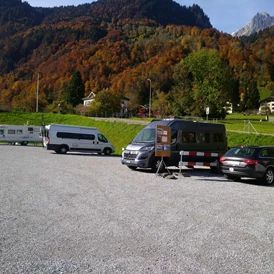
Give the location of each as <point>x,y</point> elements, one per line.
<point>64,138</point>
<point>20,134</point>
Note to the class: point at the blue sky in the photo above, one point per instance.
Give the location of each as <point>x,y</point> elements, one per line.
<point>225,15</point>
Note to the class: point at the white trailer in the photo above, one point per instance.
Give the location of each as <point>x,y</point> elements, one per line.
<point>63,138</point>
<point>20,134</point>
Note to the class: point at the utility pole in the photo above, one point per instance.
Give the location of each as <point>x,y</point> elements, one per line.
<point>149,106</point>
<point>37,91</point>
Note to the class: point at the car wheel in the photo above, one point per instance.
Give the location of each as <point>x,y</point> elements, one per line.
<point>269,176</point>
<point>156,165</point>
<point>63,150</point>
<point>107,151</point>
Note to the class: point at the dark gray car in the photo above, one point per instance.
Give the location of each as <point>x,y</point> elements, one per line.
<point>249,161</point>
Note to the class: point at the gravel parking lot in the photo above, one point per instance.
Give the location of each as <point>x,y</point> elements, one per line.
<point>80,213</point>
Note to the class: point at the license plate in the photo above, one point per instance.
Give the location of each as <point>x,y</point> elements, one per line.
<point>233,163</point>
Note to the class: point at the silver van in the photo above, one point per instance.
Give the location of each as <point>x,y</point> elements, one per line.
<point>63,138</point>
<point>185,135</point>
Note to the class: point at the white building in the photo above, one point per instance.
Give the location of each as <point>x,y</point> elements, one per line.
<point>267,103</point>
<point>89,99</point>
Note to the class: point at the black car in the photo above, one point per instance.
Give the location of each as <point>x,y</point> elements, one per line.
<point>250,162</point>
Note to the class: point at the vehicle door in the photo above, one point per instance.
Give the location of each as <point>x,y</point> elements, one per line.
<point>2,134</point>
<point>88,141</point>
<point>102,141</point>
<point>266,157</point>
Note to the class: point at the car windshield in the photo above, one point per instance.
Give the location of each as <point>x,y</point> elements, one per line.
<point>240,152</point>
<point>146,135</point>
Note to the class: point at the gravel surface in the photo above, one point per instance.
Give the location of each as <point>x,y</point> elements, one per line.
<point>80,213</point>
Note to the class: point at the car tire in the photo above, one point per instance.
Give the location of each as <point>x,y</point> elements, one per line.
<point>107,151</point>
<point>63,149</point>
<point>269,176</point>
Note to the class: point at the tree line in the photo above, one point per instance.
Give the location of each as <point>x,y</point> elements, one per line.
<point>190,67</point>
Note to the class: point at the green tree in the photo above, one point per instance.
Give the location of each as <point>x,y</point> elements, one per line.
<point>251,98</point>
<point>211,82</point>
<point>181,95</point>
<point>105,103</point>
<point>76,89</point>
<point>235,95</point>
<point>161,103</point>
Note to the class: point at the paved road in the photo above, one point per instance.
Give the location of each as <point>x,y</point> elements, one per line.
<point>89,214</point>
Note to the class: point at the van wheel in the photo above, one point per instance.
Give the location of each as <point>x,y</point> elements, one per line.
<point>107,151</point>
<point>63,149</point>
<point>155,165</point>
<point>24,143</point>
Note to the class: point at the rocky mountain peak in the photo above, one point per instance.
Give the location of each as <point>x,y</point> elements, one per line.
<point>259,22</point>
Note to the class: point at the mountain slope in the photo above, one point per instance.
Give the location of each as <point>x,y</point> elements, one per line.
<point>162,11</point>
<point>259,22</point>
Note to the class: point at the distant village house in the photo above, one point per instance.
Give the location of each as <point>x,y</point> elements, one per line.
<point>267,105</point>
<point>89,99</point>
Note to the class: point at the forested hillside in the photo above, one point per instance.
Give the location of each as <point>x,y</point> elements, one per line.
<point>115,46</point>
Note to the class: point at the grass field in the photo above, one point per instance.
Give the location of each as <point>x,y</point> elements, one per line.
<point>121,133</point>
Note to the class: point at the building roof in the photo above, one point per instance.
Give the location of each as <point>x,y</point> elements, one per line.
<point>90,96</point>
<point>268,99</point>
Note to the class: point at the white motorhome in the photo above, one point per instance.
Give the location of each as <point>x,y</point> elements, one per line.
<point>20,134</point>
<point>63,138</point>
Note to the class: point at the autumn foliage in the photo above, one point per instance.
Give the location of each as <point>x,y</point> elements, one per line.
<point>118,49</point>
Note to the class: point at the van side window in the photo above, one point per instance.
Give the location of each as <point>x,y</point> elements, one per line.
<point>11,131</point>
<point>69,135</point>
<point>188,137</point>
<point>88,137</point>
<point>173,136</point>
<point>19,131</point>
<point>218,137</point>
<point>205,138</point>
<point>1,131</point>
<point>102,138</point>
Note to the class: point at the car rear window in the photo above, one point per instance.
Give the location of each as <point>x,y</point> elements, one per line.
<point>242,152</point>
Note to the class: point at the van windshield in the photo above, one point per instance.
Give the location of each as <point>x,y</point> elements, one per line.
<point>146,135</point>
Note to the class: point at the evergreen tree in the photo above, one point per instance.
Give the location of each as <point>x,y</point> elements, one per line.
<point>76,89</point>
<point>252,96</point>
<point>235,96</point>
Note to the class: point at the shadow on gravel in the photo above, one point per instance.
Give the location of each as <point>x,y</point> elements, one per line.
<point>85,155</point>
<point>247,181</point>
<point>28,145</point>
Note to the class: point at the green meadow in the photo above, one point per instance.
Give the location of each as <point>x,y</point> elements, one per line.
<point>241,130</point>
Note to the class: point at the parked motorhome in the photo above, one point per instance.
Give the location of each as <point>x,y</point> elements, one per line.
<point>185,135</point>
<point>20,134</point>
<point>63,138</point>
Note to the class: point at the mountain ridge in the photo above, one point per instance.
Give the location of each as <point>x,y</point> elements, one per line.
<point>260,21</point>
